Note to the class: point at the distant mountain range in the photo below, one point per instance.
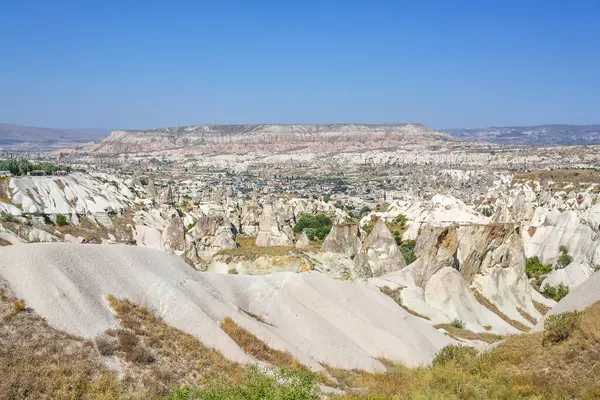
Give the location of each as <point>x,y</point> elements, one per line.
<point>18,137</point>
<point>532,135</point>
<point>271,139</point>
<point>284,138</point>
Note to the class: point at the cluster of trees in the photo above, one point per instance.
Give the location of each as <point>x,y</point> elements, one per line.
<point>316,226</point>
<point>21,166</point>
<point>555,293</point>
<point>536,270</point>
<point>407,248</point>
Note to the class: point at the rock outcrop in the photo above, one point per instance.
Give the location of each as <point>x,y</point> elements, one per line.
<point>269,139</point>
<point>344,239</point>
<point>489,260</point>
<point>173,237</point>
<point>303,243</point>
<point>212,234</point>
<point>271,231</point>
<point>380,254</point>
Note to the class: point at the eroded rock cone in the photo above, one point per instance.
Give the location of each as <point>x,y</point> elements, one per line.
<point>344,239</point>
<point>270,232</point>
<point>380,254</point>
<point>303,243</point>
<point>173,237</point>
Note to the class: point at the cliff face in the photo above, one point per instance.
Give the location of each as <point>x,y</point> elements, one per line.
<point>238,139</point>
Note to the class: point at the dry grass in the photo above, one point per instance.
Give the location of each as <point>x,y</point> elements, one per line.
<point>281,256</point>
<point>519,367</point>
<point>256,317</point>
<point>527,316</point>
<point>492,307</point>
<point>460,333</point>
<point>542,308</point>
<point>39,362</point>
<point>4,191</point>
<point>60,184</point>
<point>178,359</point>
<point>531,230</point>
<point>123,226</point>
<point>560,176</point>
<point>19,305</point>
<point>394,294</point>
<point>253,251</point>
<point>86,229</point>
<point>257,349</point>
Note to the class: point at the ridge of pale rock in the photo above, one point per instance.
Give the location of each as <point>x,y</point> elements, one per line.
<point>317,319</point>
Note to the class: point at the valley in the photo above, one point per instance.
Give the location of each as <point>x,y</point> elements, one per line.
<point>355,257</point>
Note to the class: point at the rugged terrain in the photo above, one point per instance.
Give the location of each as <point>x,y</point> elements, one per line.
<point>531,135</point>
<point>269,139</point>
<point>394,264</point>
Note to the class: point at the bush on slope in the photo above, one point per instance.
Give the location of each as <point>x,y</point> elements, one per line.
<point>523,366</point>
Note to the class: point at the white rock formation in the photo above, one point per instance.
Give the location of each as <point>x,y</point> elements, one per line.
<point>271,230</point>
<point>72,194</point>
<point>317,319</point>
<point>488,259</point>
<point>380,254</point>
<point>303,243</point>
<point>439,211</point>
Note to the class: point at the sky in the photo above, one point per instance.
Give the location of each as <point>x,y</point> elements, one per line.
<point>129,64</point>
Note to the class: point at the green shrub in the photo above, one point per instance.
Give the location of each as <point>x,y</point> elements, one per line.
<point>407,248</point>
<point>458,354</point>
<point>6,217</point>
<point>397,238</point>
<point>535,269</point>
<point>279,384</point>
<point>486,212</point>
<point>564,258</point>
<point>400,220</point>
<point>61,220</point>
<point>559,327</point>
<point>316,226</point>
<point>458,323</point>
<point>364,211</point>
<point>555,293</point>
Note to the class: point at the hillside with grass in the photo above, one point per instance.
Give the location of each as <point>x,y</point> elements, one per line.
<point>157,361</point>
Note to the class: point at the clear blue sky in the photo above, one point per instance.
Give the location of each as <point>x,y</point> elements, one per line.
<point>141,64</point>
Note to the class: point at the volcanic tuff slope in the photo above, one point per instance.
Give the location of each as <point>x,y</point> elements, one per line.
<point>267,139</point>
<point>316,319</point>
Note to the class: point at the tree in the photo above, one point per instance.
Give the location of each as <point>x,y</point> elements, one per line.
<point>407,248</point>
<point>316,226</point>
<point>564,258</point>
<point>61,220</point>
<point>555,293</point>
<point>535,269</point>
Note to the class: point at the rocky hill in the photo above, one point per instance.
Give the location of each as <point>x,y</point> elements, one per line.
<point>18,137</point>
<point>541,134</point>
<point>269,139</point>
